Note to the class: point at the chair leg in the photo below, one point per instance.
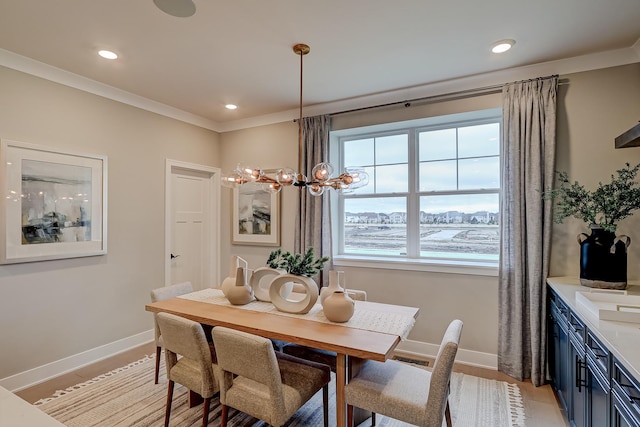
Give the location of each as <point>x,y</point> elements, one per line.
<point>205,410</point>
<point>158,349</point>
<point>325,404</point>
<point>223,417</point>
<point>167,413</point>
<point>373,419</point>
<point>447,415</point>
<point>349,416</point>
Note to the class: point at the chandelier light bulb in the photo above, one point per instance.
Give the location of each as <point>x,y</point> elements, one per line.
<point>316,189</point>
<point>322,171</point>
<point>286,176</point>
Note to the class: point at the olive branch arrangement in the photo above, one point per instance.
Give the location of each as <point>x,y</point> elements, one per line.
<point>301,265</point>
<point>603,207</point>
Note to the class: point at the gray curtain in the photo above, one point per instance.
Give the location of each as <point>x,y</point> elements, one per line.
<point>313,219</point>
<point>528,162</point>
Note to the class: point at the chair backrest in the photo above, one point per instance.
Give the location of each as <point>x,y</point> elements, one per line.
<point>186,338</point>
<point>249,356</point>
<point>441,374</point>
<point>167,292</point>
<point>356,294</point>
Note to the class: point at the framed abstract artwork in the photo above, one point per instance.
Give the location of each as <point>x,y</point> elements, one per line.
<point>54,203</point>
<point>255,218</point>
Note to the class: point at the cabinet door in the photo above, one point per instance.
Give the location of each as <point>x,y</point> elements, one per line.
<point>620,416</point>
<point>559,342</point>
<point>598,393</point>
<point>577,389</point>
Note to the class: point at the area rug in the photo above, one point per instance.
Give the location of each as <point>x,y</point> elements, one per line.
<point>127,397</point>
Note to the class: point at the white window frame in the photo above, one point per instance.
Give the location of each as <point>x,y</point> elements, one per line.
<point>412,261</point>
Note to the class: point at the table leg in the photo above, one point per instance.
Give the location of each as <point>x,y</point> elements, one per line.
<point>341,380</point>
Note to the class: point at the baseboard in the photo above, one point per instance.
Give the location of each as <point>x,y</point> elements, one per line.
<point>51,370</point>
<point>43,373</point>
<point>420,349</point>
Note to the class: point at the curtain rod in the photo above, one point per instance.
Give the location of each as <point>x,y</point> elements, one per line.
<point>486,90</point>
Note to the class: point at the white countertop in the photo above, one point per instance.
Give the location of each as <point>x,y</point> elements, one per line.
<point>621,338</point>
<point>16,412</point>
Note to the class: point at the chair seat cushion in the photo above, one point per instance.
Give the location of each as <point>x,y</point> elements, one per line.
<point>391,388</point>
<point>301,379</point>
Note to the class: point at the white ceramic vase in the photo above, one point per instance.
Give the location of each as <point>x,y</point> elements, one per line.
<point>336,283</point>
<point>261,282</point>
<point>338,307</point>
<point>241,293</point>
<point>230,281</point>
<point>287,305</point>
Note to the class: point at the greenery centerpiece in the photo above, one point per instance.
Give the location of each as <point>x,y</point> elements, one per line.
<point>603,207</point>
<point>298,264</point>
<point>603,256</point>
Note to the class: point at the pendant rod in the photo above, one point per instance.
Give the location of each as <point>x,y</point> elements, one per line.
<point>300,120</point>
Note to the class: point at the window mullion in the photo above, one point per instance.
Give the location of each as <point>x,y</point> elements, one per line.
<point>413,202</point>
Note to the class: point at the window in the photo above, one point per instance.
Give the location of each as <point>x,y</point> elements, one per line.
<point>433,192</point>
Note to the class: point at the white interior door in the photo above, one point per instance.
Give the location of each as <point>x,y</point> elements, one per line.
<point>192,222</point>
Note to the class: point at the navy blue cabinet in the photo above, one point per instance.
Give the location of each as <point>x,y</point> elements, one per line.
<point>625,409</point>
<point>559,349</point>
<point>593,388</point>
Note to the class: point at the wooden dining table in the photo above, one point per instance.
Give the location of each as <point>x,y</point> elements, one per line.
<point>351,343</point>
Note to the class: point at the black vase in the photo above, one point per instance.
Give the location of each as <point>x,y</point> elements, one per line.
<point>603,259</point>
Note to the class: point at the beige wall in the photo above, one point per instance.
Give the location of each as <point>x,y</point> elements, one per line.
<point>267,147</point>
<point>55,309</point>
<point>594,108</point>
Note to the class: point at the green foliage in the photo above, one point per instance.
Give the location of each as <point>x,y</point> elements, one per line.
<point>605,206</point>
<point>301,265</point>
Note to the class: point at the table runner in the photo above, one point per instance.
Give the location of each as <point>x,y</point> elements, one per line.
<point>363,318</point>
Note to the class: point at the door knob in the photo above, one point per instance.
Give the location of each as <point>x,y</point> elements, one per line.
<point>174,256</point>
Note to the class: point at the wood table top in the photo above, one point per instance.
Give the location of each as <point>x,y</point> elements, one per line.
<point>341,339</point>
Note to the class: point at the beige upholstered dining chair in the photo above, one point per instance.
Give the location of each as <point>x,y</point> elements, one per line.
<point>257,380</point>
<point>195,369</point>
<point>161,294</point>
<point>404,392</point>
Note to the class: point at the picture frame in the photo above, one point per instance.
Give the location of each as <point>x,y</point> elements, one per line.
<point>255,218</point>
<point>53,203</point>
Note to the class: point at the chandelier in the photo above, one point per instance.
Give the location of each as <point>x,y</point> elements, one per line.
<point>321,174</point>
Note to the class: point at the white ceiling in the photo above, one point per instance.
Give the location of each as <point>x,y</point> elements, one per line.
<point>362,51</point>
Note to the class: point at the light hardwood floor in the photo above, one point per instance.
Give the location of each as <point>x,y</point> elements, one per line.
<point>541,407</point>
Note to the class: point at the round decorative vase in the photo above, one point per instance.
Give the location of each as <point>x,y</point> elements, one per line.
<point>299,306</point>
<point>603,259</point>
<point>230,281</point>
<point>338,307</point>
<point>261,282</point>
<point>335,284</point>
<point>241,293</point>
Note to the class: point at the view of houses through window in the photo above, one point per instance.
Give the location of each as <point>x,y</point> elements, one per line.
<point>433,190</point>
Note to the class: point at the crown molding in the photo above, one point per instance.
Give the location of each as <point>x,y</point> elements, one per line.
<point>576,64</point>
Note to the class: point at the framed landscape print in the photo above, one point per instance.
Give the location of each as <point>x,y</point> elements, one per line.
<point>255,218</point>
<point>54,203</point>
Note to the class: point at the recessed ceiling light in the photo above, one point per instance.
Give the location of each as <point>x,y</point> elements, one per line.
<point>231,106</point>
<point>502,46</point>
<point>108,54</point>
